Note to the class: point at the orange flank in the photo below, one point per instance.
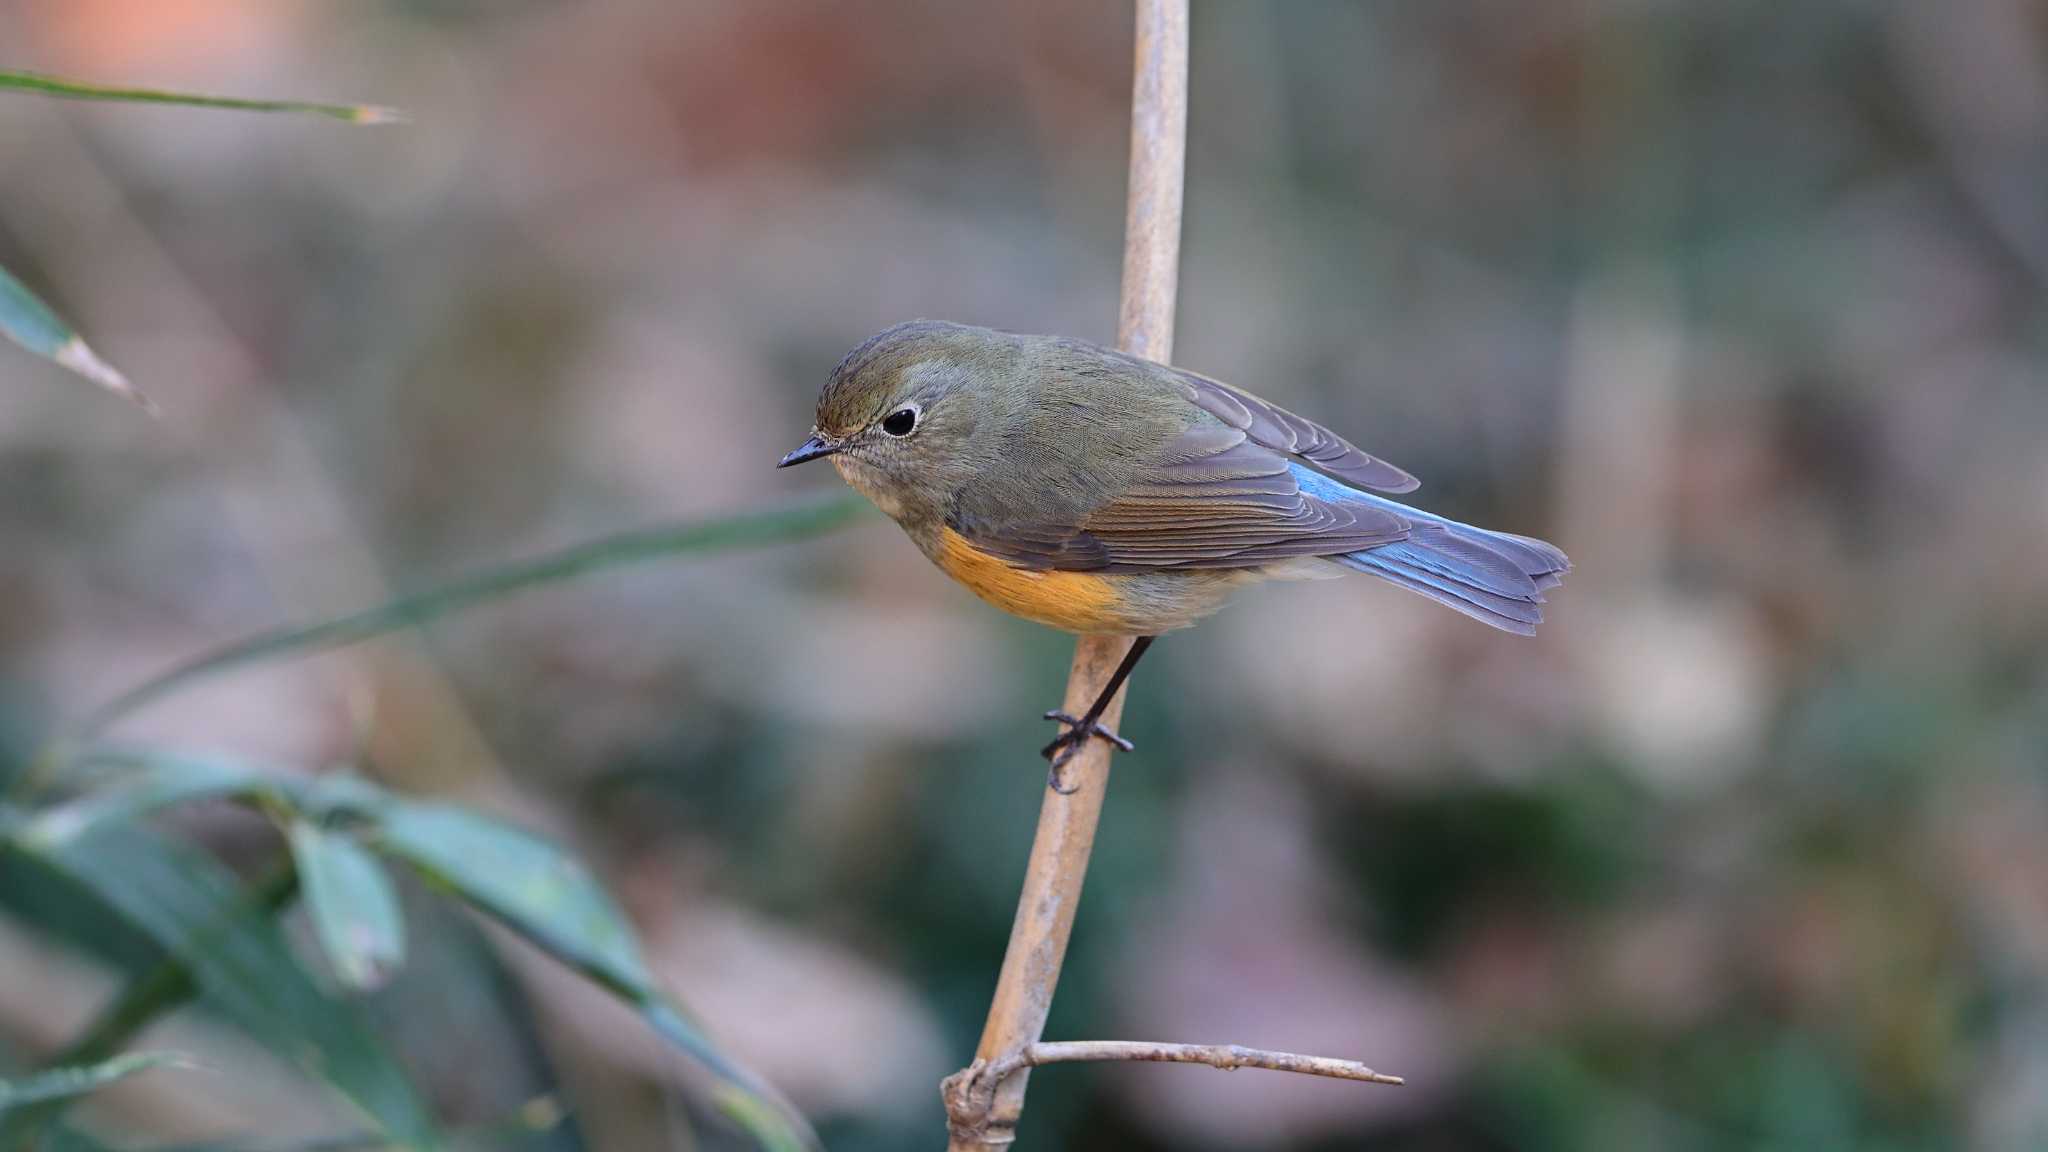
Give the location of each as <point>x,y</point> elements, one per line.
<point>1074,601</point>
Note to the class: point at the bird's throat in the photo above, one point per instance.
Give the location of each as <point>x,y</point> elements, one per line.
<point>870,482</point>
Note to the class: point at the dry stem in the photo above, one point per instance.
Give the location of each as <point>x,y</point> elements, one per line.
<point>1066,823</point>
<point>1225,1057</point>
<point>970,1093</point>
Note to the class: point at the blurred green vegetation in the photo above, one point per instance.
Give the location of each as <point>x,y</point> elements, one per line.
<point>219,941</point>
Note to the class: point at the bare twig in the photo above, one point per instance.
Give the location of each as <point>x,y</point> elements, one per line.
<point>1226,1057</point>
<point>1066,822</point>
<point>970,1096</point>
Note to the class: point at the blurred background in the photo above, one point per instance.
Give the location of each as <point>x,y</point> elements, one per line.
<point>1739,302</point>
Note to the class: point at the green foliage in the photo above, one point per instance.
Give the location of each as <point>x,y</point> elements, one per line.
<point>73,1081</point>
<point>235,955</point>
<point>215,939</point>
<point>29,322</point>
<point>169,780</point>
<point>336,826</point>
<point>81,90</point>
<point>354,909</point>
<point>795,520</point>
<point>546,896</point>
<point>224,945</point>
<point>240,962</point>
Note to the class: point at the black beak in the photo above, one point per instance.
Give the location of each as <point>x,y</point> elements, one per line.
<point>810,449</point>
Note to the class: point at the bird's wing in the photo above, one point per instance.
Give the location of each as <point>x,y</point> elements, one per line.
<point>1215,498</point>
<point>1275,427</point>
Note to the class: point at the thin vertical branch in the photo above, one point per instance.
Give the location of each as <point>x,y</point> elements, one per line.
<point>1159,144</point>
<point>980,1120</point>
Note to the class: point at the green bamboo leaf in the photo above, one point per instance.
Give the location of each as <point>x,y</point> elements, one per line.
<point>243,967</point>
<point>153,781</point>
<point>69,1083</point>
<point>29,322</point>
<point>521,880</point>
<point>81,90</point>
<point>767,1121</point>
<point>545,895</point>
<point>794,521</point>
<point>355,913</point>
<point>530,885</point>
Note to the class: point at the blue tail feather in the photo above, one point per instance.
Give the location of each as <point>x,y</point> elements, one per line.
<point>1494,577</point>
<point>1410,568</point>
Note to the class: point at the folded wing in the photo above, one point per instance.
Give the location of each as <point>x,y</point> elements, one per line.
<point>1274,427</point>
<point>1218,497</point>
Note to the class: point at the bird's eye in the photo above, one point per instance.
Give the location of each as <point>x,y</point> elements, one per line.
<point>900,422</point>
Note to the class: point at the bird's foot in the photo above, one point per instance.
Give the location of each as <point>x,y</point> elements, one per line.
<point>1069,741</point>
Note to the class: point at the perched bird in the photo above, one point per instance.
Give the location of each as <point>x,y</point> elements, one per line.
<point>1100,493</point>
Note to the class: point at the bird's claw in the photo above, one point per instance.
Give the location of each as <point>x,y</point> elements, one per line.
<point>1072,737</point>
<point>1063,747</point>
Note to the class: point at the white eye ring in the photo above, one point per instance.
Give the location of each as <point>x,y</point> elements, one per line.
<point>892,426</point>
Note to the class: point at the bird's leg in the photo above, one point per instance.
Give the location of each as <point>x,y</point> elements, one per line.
<point>1089,723</point>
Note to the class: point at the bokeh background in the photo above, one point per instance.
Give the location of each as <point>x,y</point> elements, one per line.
<point>1740,302</point>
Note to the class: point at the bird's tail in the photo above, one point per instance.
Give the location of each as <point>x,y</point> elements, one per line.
<point>1493,577</point>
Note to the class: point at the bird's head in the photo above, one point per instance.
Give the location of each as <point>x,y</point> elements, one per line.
<point>901,414</point>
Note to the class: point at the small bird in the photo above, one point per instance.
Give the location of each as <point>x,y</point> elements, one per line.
<point>1096,492</point>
